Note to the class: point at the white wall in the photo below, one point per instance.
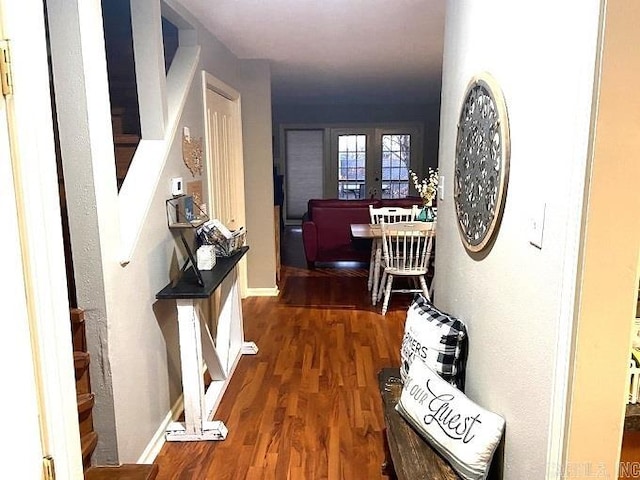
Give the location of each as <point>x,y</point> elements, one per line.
<point>428,114</point>
<point>514,300</point>
<point>80,77</point>
<point>122,247</point>
<point>143,338</point>
<point>255,83</point>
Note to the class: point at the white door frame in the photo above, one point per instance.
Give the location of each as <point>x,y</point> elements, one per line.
<point>37,200</point>
<point>609,261</point>
<point>16,354</point>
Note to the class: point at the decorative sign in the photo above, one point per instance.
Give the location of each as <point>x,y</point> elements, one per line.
<point>464,433</point>
<point>481,163</point>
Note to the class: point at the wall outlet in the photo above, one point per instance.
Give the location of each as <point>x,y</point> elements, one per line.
<point>177,187</point>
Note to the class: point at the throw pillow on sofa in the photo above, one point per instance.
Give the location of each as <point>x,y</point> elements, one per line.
<point>435,339</point>
<point>465,434</point>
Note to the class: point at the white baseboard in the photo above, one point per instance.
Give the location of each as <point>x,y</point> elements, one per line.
<point>263,292</point>
<point>157,441</point>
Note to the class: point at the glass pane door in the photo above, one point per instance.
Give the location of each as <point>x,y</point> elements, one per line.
<point>352,158</point>
<point>373,162</point>
<point>396,162</point>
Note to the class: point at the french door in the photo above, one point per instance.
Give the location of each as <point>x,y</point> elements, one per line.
<point>372,162</point>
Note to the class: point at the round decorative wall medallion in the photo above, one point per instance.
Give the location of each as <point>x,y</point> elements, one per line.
<point>481,163</point>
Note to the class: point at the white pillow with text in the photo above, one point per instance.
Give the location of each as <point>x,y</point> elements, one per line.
<point>464,433</point>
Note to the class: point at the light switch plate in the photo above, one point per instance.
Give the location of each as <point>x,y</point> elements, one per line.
<point>536,224</point>
<point>441,188</point>
<point>177,187</point>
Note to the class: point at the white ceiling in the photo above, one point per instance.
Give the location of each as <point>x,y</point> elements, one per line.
<point>336,51</point>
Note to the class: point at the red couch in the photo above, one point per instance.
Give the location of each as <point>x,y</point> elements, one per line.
<point>326,229</point>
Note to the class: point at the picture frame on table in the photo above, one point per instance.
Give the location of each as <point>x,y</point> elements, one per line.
<point>184,212</point>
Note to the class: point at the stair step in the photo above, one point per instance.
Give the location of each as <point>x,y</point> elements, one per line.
<point>116,124</point>
<point>77,315</point>
<point>125,149</point>
<point>88,443</point>
<point>81,365</point>
<point>123,472</point>
<point>126,139</point>
<point>78,334</point>
<point>85,412</point>
<point>85,402</point>
<point>80,361</point>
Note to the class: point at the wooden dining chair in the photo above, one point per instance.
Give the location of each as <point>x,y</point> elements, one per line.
<point>387,215</point>
<point>407,248</point>
<point>393,214</point>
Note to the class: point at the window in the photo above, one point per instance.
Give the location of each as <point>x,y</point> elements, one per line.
<point>359,162</point>
<point>352,156</point>
<point>396,158</point>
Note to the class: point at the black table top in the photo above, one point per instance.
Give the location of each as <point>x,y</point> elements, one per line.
<point>187,287</point>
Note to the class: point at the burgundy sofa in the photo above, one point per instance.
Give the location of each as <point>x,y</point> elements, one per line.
<point>326,228</point>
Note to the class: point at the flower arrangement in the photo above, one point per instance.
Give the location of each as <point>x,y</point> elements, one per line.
<point>426,188</point>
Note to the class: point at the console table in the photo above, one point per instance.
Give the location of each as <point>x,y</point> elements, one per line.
<point>199,351</point>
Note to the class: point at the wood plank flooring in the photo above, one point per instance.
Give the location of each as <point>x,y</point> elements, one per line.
<point>307,406</point>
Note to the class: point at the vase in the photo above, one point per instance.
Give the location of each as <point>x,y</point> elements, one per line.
<point>426,214</point>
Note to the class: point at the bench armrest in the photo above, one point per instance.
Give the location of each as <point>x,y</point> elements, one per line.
<point>310,241</point>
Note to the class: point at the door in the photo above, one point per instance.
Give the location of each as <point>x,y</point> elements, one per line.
<point>223,177</point>
<point>351,166</point>
<point>225,167</point>
<point>36,360</point>
<point>373,162</point>
<point>21,404</point>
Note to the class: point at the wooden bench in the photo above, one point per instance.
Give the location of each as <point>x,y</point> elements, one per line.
<point>408,454</point>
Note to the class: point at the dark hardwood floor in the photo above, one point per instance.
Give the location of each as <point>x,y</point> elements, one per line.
<point>307,406</point>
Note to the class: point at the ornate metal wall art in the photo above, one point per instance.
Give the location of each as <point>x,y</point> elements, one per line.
<point>481,162</point>
<point>192,153</point>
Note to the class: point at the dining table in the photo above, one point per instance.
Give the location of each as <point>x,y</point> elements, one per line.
<point>373,232</point>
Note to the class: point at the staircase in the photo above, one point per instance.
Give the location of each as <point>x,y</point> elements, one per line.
<point>125,144</point>
<point>86,401</point>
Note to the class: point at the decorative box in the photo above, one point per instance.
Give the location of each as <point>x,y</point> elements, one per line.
<point>206,257</point>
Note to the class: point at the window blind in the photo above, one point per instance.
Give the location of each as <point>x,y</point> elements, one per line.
<point>305,166</point>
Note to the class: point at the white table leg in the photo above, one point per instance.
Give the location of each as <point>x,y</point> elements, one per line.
<point>376,271</point>
<point>195,426</point>
<point>372,262</point>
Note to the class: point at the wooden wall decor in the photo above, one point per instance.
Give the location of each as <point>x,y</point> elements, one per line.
<point>481,163</point>
<point>192,152</point>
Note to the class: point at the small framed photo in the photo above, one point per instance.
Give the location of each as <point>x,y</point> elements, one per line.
<point>183,212</point>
